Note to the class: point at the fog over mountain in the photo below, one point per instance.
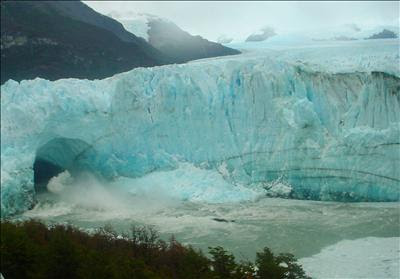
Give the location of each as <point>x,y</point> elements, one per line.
<point>241,19</point>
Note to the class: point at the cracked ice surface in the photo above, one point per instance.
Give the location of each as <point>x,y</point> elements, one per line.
<point>329,133</point>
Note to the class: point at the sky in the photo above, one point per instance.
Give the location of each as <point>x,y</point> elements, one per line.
<point>210,19</point>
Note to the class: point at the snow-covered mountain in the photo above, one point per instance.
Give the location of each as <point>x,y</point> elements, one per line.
<point>136,23</point>
<point>61,39</point>
<point>350,32</point>
<point>344,32</point>
<point>302,124</point>
<point>167,37</point>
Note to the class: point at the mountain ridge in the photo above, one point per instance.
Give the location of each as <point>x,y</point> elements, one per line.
<point>56,39</point>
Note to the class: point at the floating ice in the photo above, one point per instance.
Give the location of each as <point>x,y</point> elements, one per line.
<point>370,257</point>
<point>331,131</point>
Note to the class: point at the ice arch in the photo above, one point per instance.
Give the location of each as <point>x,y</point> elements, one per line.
<point>61,154</point>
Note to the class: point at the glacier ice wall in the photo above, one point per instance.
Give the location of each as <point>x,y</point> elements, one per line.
<point>329,135</point>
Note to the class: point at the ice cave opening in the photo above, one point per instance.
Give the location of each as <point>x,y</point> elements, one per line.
<point>59,155</point>
<point>43,171</point>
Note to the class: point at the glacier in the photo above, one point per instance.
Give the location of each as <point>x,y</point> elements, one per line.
<point>324,129</point>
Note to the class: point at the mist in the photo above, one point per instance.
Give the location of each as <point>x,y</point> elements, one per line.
<point>86,194</point>
<point>239,19</point>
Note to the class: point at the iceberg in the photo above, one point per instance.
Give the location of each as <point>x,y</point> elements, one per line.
<point>324,130</point>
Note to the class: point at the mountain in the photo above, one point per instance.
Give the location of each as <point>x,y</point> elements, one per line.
<point>67,39</point>
<point>167,37</point>
<point>58,39</point>
<point>79,11</point>
<point>261,35</point>
<point>348,32</point>
<point>384,34</point>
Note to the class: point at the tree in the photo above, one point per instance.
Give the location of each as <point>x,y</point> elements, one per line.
<point>282,266</point>
<point>290,266</point>
<point>223,263</point>
<point>267,266</point>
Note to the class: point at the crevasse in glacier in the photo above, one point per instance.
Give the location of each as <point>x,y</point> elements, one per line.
<point>330,135</point>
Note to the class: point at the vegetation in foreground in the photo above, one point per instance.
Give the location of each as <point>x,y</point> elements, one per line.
<point>33,250</point>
